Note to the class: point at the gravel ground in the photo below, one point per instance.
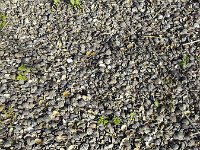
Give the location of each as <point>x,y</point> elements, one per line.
<point>135,61</point>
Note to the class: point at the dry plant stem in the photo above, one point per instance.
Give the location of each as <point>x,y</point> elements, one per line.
<point>161,9</point>
<point>152,36</point>
<point>195,133</point>
<point>4,26</point>
<point>8,60</point>
<point>158,13</point>
<point>191,42</point>
<point>191,122</point>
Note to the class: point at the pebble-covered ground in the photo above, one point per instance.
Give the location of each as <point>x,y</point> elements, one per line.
<point>106,75</point>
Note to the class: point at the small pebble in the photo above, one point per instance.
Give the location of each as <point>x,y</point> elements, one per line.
<point>102,65</point>
<point>38,141</point>
<point>66,94</point>
<point>123,127</point>
<point>6,95</point>
<point>84,97</point>
<point>56,113</point>
<point>71,147</point>
<point>69,60</point>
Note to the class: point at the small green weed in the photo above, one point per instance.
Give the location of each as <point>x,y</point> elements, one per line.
<point>116,120</point>
<point>3,20</point>
<point>167,80</point>
<point>22,68</point>
<point>56,3</point>
<point>185,60</point>
<point>76,4</point>
<point>171,102</point>
<point>102,120</point>
<point>9,113</point>
<point>21,77</point>
<point>21,73</point>
<point>132,116</point>
<point>156,103</point>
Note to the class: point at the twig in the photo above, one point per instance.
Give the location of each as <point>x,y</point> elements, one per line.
<point>191,42</point>
<point>4,26</point>
<point>157,13</point>
<point>8,60</point>
<point>152,36</point>
<point>196,133</point>
<point>190,122</point>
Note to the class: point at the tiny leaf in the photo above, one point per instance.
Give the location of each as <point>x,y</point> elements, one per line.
<point>116,120</point>
<point>22,68</point>
<point>185,60</point>
<point>132,116</point>
<point>56,3</point>
<point>21,77</point>
<point>105,122</point>
<point>3,20</point>
<point>72,2</point>
<point>102,120</point>
<point>156,103</point>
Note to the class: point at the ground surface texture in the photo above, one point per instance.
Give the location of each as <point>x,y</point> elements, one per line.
<point>114,74</point>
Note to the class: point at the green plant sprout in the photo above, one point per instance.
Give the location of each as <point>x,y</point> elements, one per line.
<point>22,68</point>
<point>132,116</point>
<point>3,20</point>
<point>185,60</point>
<point>56,3</point>
<point>9,114</point>
<point>76,4</point>
<point>102,120</point>
<point>116,120</point>
<point>171,102</point>
<point>156,103</point>
<point>167,80</point>
<point>21,77</point>
<point>21,73</point>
